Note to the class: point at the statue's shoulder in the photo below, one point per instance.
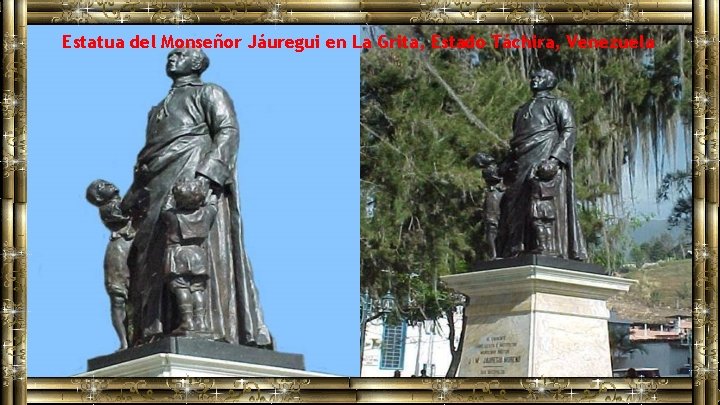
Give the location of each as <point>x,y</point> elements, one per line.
<point>214,91</point>
<point>523,105</point>
<point>562,102</point>
<point>212,87</point>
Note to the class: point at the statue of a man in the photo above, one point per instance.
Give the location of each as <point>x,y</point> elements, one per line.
<point>191,134</point>
<point>543,135</point>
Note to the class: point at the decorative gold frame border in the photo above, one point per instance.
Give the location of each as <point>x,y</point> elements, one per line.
<point>18,389</point>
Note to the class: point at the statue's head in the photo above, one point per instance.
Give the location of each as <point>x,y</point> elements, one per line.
<point>189,194</point>
<point>542,79</point>
<point>101,192</point>
<point>185,61</point>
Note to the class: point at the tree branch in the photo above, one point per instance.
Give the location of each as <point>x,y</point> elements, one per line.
<point>475,120</point>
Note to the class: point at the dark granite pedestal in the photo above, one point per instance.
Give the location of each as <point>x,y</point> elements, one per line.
<point>176,355</point>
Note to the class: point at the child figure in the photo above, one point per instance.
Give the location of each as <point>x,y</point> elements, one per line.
<point>491,208</point>
<point>186,265</point>
<point>106,197</point>
<point>491,204</point>
<point>544,189</point>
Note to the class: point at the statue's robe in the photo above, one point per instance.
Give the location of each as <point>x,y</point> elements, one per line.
<point>193,131</point>
<point>543,128</point>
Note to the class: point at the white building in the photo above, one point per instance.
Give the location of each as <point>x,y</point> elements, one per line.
<point>409,349</point>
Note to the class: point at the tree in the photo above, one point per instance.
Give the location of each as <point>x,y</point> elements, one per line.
<point>638,256</point>
<point>659,248</point>
<point>677,184</point>
<point>620,342</point>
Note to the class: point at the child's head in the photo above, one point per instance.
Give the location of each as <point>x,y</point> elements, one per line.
<point>491,175</point>
<point>100,192</point>
<point>189,194</point>
<point>483,160</point>
<point>546,170</point>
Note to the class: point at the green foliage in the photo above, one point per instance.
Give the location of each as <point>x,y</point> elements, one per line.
<point>684,291</point>
<point>677,184</point>
<point>620,342</point>
<point>670,278</point>
<point>655,297</point>
<point>608,236</point>
<point>661,247</point>
<point>420,196</point>
<point>638,256</point>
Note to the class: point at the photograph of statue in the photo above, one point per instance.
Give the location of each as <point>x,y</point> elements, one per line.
<point>567,252</point>
<point>228,189</point>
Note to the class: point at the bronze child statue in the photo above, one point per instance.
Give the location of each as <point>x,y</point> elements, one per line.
<point>491,203</point>
<point>188,224</point>
<point>544,190</point>
<point>106,197</point>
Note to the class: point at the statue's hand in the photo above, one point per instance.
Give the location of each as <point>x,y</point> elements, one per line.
<point>213,187</point>
<point>203,180</point>
<point>140,172</point>
<point>135,203</point>
<point>547,170</point>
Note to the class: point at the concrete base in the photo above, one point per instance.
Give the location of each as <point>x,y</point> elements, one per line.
<point>178,365</point>
<point>535,321</point>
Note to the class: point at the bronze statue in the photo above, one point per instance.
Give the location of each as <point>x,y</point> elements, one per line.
<point>543,192</point>
<point>106,197</point>
<point>538,214</point>
<point>491,203</point>
<point>191,134</point>
<point>188,223</point>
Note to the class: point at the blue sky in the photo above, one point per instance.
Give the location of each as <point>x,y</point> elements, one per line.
<point>298,170</point>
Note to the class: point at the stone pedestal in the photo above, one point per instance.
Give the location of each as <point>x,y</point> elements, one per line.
<point>537,318</point>
<point>183,356</point>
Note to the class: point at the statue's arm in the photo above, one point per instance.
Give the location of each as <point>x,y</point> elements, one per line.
<point>565,120</point>
<point>221,119</point>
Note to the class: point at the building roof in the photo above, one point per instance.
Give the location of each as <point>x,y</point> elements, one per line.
<point>642,334</point>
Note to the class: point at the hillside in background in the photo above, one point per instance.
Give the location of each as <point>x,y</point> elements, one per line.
<point>662,291</point>
<point>655,227</point>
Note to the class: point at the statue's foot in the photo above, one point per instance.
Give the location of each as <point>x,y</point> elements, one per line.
<point>200,323</point>
<point>199,335</point>
<point>184,328</point>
